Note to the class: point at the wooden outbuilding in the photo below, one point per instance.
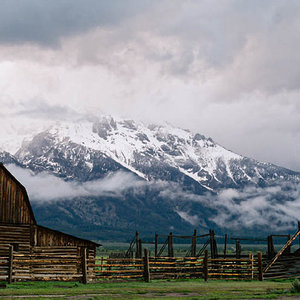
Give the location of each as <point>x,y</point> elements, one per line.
<point>19,228</point>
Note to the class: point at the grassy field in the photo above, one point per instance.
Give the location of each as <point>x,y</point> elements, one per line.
<point>162,289</point>
<point>181,249</point>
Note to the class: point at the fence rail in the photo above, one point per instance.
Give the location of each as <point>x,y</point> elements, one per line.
<point>116,268</point>
<point>232,268</point>
<point>176,267</point>
<point>284,267</point>
<point>69,264</point>
<point>148,267</point>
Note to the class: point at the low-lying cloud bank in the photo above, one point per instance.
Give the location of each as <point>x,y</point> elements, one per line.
<point>44,187</point>
<point>249,207</point>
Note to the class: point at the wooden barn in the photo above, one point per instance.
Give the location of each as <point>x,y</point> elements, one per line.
<point>19,229</point>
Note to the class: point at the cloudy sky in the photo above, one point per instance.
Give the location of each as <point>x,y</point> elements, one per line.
<point>227,69</point>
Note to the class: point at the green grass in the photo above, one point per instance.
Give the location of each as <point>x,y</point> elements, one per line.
<point>164,289</point>
<point>181,249</point>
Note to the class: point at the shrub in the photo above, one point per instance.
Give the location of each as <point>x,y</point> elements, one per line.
<point>296,286</point>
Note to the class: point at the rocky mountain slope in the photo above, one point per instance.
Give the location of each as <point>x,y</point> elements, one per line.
<point>152,152</point>
<point>177,178</point>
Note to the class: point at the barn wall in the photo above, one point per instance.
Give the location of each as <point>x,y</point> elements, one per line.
<point>18,235</point>
<point>45,237</point>
<point>14,208</point>
<point>18,225</point>
<point>26,238</point>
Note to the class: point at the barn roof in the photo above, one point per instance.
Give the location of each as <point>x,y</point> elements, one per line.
<point>31,211</point>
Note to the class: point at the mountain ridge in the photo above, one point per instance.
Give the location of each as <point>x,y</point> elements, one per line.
<point>173,163</point>
<point>131,145</point>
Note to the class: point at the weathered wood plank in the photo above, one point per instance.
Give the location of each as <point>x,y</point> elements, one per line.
<point>287,244</point>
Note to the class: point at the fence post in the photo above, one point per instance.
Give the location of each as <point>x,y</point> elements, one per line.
<point>271,250</point>
<point>205,265</point>
<point>10,264</point>
<point>84,266</point>
<point>299,229</point>
<point>215,247</point>
<point>140,248</point>
<point>194,244</point>
<point>137,253</point>
<point>260,266</point>
<point>156,245</point>
<point>146,266</point>
<point>170,245</point>
<point>237,249</point>
<point>251,263</point>
<point>288,249</point>
<point>225,245</point>
<point>213,244</point>
<point>102,263</point>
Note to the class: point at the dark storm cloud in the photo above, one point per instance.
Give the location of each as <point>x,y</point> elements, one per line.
<point>249,40</point>
<point>228,69</point>
<point>44,21</point>
<point>255,42</point>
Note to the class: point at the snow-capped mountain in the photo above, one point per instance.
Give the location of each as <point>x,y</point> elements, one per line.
<point>151,152</point>
<point>173,163</point>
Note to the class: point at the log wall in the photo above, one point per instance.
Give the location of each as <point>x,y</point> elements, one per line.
<point>48,263</point>
<point>16,235</point>
<point>4,249</point>
<point>44,264</point>
<point>46,237</point>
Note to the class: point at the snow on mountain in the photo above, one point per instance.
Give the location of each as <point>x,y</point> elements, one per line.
<point>186,178</point>
<point>150,151</point>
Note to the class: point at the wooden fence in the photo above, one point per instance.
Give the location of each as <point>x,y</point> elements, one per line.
<point>116,269</point>
<point>232,268</point>
<point>285,267</point>
<point>174,268</point>
<point>70,264</point>
<point>146,268</point>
